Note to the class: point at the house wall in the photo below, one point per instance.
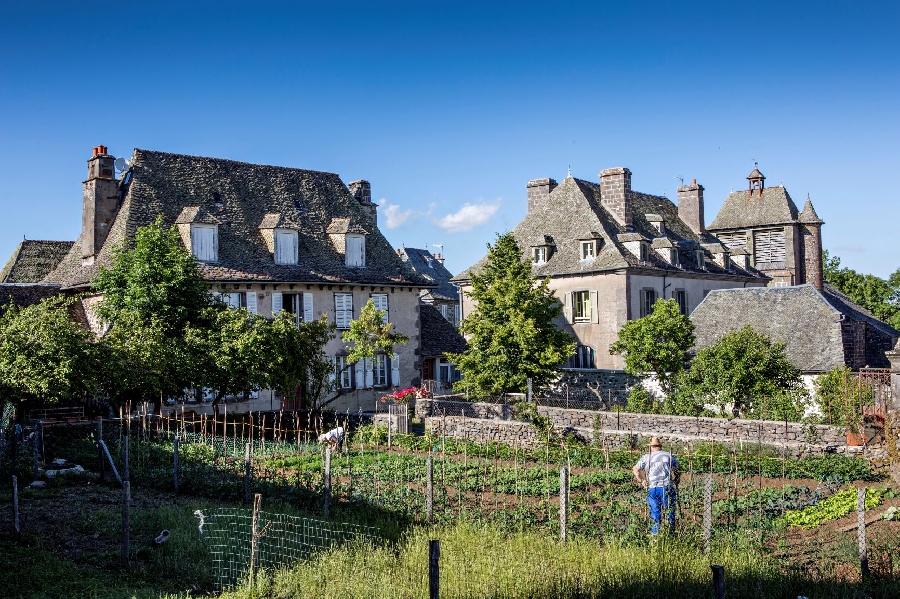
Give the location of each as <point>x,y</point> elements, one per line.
<point>696,289</point>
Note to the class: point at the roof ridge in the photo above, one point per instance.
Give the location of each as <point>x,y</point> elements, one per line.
<point>233,161</point>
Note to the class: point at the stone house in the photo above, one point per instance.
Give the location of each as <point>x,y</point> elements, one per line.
<point>610,252</point>
<point>445,295</point>
<point>267,238</point>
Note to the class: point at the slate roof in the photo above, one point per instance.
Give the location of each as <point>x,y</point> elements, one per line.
<point>25,294</point>
<point>743,209</point>
<point>573,212</point>
<point>239,196</point>
<point>426,265</point>
<point>854,311</point>
<point>800,317</point>
<point>32,260</point>
<point>438,335</point>
<point>809,216</point>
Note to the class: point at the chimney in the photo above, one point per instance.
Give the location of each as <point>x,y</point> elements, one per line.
<point>615,194</point>
<point>100,200</point>
<point>690,207</point>
<point>362,191</point>
<point>439,258</point>
<point>538,191</point>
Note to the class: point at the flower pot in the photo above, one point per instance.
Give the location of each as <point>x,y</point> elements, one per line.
<point>855,439</point>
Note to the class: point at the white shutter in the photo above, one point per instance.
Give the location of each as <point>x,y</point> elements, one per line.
<point>381,303</point>
<point>285,247</point>
<point>308,314</point>
<point>343,310</point>
<point>360,377</point>
<point>769,246</point>
<point>444,311</point>
<point>567,307</point>
<point>204,242</point>
<point>277,303</point>
<point>369,366</point>
<point>595,308</point>
<point>251,302</point>
<point>355,250</point>
<point>395,370</point>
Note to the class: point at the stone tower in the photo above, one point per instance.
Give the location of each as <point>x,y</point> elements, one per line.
<point>100,199</point>
<point>811,230</point>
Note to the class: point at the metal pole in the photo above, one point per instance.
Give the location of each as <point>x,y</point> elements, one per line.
<point>101,470</point>
<point>718,573</point>
<point>254,539</point>
<point>707,512</point>
<point>861,530</point>
<point>429,490</point>
<point>15,490</point>
<point>126,507</point>
<point>327,480</point>
<point>563,501</point>
<point>247,473</point>
<point>434,556</point>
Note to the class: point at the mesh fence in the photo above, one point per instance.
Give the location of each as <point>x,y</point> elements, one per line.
<point>282,540</point>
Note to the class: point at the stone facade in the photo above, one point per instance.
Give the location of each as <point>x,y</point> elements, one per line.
<point>538,191</point>
<point>615,194</point>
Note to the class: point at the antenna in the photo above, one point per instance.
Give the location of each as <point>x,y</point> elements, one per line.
<point>439,246</point>
<point>680,178</point>
<point>121,164</point>
<point>570,170</point>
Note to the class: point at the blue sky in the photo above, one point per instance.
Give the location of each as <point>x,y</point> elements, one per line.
<point>450,108</point>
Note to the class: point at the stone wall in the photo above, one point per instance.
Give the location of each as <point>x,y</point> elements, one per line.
<point>429,407</point>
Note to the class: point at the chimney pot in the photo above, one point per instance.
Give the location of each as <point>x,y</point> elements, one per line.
<point>693,181</point>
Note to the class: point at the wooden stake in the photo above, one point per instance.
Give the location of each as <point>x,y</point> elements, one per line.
<point>861,530</point>
<point>247,473</point>
<point>175,462</point>
<point>718,574</point>
<point>254,539</point>
<point>126,521</point>
<point>429,490</point>
<point>327,480</point>
<point>15,489</point>
<point>563,501</point>
<point>707,512</point>
<point>434,556</point>
<point>101,471</point>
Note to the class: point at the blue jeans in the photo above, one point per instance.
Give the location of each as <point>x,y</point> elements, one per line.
<point>661,499</point>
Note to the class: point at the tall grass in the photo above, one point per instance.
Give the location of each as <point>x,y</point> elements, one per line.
<point>482,562</point>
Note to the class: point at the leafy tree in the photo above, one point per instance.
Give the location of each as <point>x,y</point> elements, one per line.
<point>657,343</point>
<point>840,396</point>
<point>511,334</point>
<point>371,335</point>
<point>747,374</point>
<point>298,364</point>
<point>878,296</point>
<point>44,354</point>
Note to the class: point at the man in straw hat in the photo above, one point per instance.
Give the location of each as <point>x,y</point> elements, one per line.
<point>658,472</point>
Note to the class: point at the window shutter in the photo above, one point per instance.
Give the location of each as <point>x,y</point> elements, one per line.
<point>369,366</point>
<point>381,303</point>
<point>251,302</point>
<point>355,250</point>
<point>308,314</point>
<point>343,310</point>
<point>277,303</point>
<point>769,246</point>
<point>595,309</point>
<point>360,377</point>
<point>567,306</point>
<point>444,310</point>
<point>395,370</point>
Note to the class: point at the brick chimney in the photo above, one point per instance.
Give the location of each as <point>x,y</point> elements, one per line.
<point>690,207</point>
<point>615,194</point>
<point>100,199</point>
<point>538,191</point>
<point>362,191</point>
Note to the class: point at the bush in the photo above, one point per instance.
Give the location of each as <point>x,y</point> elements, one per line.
<point>640,401</point>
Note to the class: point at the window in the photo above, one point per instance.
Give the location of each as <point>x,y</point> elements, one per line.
<point>583,358</point>
<point>582,305</point>
<point>355,250</point>
<point>588,249</point>
<point>674,259</point>
<point>343,310</point>
<point>380,371</point>
<point>298,304</point>
<point>648,298</point>
<point>701,259</point>
<point>680,296</point>
<point>234,300</point>
<point>645,252</point>
<point>733,240</point>
<point>285,247</point>
<point>450,312</point>
<point>205,242</point>
<point>381,303</point>
<point>769,246</point>
<point>540,254</point>
<point>342,373</point>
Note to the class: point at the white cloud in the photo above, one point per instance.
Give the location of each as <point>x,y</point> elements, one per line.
<point>850,248</point>
<point>468,217</point>
<point>393,216</point>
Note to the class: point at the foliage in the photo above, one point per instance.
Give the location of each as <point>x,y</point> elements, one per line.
<point>747,374</point>
<point>880,297</point>
<point>44,354</point>
<point>297,360</point>
<point>837,506</point>
<point>405,395</point>
<point>840,396</point>
<point>371,335</point>
<point>511,334</point>
<point>640,401</point>
<point>528,412</point>
<point>657,343</point>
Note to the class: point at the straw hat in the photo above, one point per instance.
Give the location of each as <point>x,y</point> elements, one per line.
<point>654,442</point>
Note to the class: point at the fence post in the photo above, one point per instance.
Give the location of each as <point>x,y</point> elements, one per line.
<point>707,512</point>
<point>254,539</point>
<point>434,556</point>
<point>101,470</point>
<point>861,530</point>
<point>530,395</point>
<point>15,491</point>
<point>35,452</point>
<point>429,490</point>
<point>563,501</point>
<point>247,473</point>
<point>126,507</point>
<point>327,480</point>
<point>718,574</point>
<point>175,461</point>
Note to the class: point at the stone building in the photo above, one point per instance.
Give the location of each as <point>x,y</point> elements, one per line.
<point>445,295</point>
<point>268,239</point>
<point>611,252</point>
<point>783,243</point>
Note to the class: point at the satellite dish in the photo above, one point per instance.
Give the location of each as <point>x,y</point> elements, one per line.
<point>121,164</point>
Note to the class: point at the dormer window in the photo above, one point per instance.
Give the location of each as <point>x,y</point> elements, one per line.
<point>588,249</point>
<point>701,259</point>
<point>285,246</point>
<point>657,222</point>
<point>645,252</point>
<point>205,242</point>
<point>674,259</point>
<point>540,254</point>
<point>355,250</point>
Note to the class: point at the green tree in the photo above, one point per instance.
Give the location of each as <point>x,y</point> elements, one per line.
<point>45,355</point>
<point>298,365</point>
<point>657,343</point>
<point>746,374</point>
<point>878,296</point>
<point>370,335</point>
<point>511,334</point>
